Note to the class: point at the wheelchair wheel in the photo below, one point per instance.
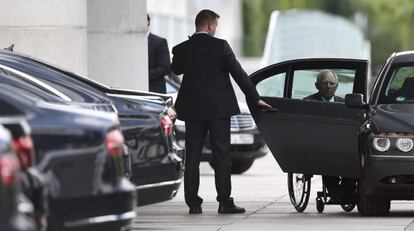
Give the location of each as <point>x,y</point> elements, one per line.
<point>320,206</point>
<point>348,207</point>
<point>299,186</point>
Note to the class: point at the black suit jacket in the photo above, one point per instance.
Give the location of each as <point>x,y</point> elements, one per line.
<point>158,62</point>
<point>318,97</point>
<point>206,91</point>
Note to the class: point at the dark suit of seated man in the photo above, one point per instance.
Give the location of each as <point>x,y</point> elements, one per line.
<point>327,83</point>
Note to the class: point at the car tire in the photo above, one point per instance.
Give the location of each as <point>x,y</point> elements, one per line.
<point>373,206</point>
<point>348,207</point>
<point>320,206</point>
<point>238,166</point>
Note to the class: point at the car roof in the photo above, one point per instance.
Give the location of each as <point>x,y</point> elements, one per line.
<point>404,56</point>
<point>53,76</point>
<point>29,86</point>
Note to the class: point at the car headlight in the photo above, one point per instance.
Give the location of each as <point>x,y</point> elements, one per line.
<point>381,144</point>
<point>404,144</point>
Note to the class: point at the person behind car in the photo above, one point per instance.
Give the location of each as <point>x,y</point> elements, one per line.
<point>327,83</point>
<point>158,61</point>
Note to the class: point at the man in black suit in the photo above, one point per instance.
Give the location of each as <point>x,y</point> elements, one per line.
<point>205,101</point>
<point>158,61</point>
<point>327,83</point>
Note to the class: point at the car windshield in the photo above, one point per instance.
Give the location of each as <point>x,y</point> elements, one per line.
<point>400,88</point>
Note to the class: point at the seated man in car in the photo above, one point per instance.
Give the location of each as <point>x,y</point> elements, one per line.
<point>327,83</point>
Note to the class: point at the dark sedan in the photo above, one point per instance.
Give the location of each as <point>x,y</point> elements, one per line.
<point>33,183</point>
<point>368,139</point>
<point>11,205</point>
<point>146,122</point>
<point>80,151</point>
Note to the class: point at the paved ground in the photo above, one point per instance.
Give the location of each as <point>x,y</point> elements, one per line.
<point>263,192</point>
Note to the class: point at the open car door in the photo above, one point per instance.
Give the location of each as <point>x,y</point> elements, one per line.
<point>310,136</point>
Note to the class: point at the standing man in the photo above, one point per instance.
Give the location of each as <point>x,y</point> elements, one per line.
<point>158,61</point>
<point>205,101</point>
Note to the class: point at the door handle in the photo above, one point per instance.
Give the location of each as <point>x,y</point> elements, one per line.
<point>273,109</point>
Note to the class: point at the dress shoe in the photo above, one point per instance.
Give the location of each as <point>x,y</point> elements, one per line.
<point>230,209</point>
<point>195,210</point>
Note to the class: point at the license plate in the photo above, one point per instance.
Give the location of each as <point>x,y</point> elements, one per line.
<point>241,139</point>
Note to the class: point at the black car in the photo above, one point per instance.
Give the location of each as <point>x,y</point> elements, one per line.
<point>33,183</point>
<point>246,143</point>
<point>80,151</point>
<point>146,120</point>
<point>369,138</point>
<point>11,215</point>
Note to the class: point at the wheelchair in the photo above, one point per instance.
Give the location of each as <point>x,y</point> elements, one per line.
<point>299,187</point>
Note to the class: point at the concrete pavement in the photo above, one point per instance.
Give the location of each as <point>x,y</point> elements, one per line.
<point>263,192</point>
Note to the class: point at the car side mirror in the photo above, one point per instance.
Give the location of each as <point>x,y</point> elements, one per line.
<point>355,101</point>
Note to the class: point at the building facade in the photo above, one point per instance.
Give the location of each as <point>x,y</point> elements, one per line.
<point>103,39</point>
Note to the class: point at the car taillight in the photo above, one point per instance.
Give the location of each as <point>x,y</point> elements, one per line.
<point>8,170</point>
<point>115,143</point>
<point>23,146</point>
<point>166,125</point>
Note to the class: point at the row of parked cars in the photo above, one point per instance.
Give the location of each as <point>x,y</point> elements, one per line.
<point>78,155</point>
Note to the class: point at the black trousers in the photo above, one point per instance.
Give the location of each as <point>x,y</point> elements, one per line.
<point>219,134</point>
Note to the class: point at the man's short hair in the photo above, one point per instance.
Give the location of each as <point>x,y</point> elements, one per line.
<point>323,72</point>
<point>204,17</point>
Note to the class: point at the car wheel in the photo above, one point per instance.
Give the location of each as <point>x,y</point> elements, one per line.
<point>373,206</point>
<point>299,186</point>
<point>240,166</point>
<point>320,206</point>
<point>348,207</point>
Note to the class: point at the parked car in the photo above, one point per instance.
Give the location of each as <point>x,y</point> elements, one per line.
<point>33,183</point>
<point>368,138</point>
<point>14,211</point>
<point>246,143</point>
<point>146,119</point>
<point>80,151</point>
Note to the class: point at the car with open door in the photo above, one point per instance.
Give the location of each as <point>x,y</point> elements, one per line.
<point>369,138</point>
<point>309,137</point>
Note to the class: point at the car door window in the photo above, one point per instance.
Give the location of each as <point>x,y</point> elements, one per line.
<point>272,86</point>
<point>303,84</point>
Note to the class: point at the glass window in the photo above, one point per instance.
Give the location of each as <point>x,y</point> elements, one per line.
<point>272,86</point>
<point>7,109</point>
<point>170,88</point>
<point>401,87</point>
<point>304,82</point>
